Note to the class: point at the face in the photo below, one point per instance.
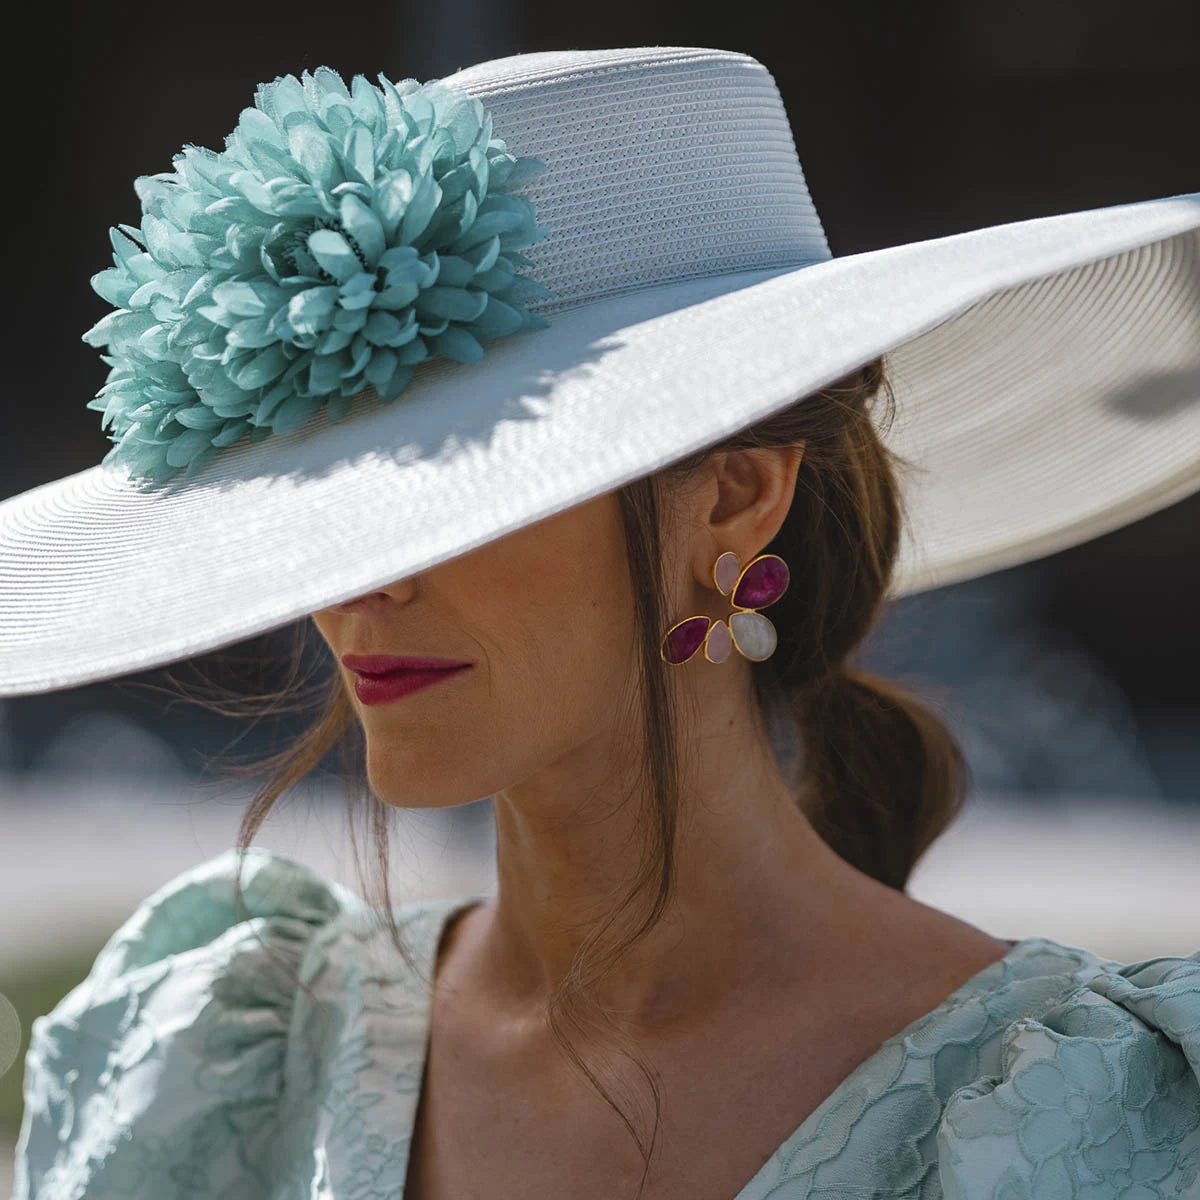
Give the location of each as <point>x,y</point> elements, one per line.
<point>544,616</point>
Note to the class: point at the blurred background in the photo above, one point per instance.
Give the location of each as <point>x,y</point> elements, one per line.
<point>1072,682</point>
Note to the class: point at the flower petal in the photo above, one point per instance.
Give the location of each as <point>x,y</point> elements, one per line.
<point>361,224</point>
<point>456,304</point>
<point>309,145</point>
<point>458,344</point>
<point>186,446</point>
<point>425,199</point>
<point>497,319</point>
<point>333,254</point>
<point>311,311</point>
<point>294,412</point>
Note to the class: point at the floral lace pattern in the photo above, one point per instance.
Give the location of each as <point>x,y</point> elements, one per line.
<point>187,1064</point>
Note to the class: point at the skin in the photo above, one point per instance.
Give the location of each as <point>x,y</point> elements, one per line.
<point>762,907</point>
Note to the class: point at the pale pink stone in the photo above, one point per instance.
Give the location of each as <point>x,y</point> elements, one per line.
<point>718,644</point>
<point>726,571</point>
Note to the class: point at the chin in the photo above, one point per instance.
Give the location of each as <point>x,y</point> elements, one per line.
<point>415,803</point>
<point>408,792</point>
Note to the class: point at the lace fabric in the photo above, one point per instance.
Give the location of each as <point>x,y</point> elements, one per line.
<point>187,1064</point>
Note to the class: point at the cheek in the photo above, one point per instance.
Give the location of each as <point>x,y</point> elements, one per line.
<point>560,628</point>
<point>564,620</point>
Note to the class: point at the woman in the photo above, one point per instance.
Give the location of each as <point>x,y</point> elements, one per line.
<point>700,975</point>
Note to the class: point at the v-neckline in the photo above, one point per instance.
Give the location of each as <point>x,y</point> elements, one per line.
<point>760,1183</point>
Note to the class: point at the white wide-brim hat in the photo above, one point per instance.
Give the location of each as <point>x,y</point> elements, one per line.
<point>1046,373</point>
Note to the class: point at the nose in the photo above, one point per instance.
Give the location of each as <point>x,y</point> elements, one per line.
<point>400,592</point>
<point>357,602</point>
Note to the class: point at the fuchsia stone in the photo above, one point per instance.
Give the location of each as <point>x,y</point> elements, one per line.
<point>763,582</point>
<point>685,639</point>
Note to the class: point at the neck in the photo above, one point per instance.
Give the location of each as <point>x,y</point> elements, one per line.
<point>755,892</point>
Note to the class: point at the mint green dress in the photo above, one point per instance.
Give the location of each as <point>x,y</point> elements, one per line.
<point>188,1064</point>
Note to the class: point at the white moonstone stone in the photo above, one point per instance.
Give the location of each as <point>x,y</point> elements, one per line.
<point>753,635</point>
<point>717,645</point>
<point>726,572</point>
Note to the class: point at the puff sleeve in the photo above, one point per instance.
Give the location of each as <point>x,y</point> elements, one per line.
<point>1097,1098</point>
<point>160,1074</point>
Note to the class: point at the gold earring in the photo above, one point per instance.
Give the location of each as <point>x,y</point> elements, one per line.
<point>760,584</point>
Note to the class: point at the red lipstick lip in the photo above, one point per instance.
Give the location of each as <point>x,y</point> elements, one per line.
<point>374,665</point>
<point>385,689</point>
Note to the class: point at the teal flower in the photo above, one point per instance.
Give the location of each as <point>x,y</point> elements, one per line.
<point>342,237</point>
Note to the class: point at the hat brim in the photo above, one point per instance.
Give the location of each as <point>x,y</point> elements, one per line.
<point>1047,379</point>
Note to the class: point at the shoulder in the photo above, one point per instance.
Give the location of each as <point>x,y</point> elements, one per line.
<point>1053,1072</point>
<point>1093,1090</point>
<point>131,1080</point>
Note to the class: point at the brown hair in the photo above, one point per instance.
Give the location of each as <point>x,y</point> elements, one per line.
<point>883,776</point>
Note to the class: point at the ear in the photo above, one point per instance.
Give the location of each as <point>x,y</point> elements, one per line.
<point>749,496</point>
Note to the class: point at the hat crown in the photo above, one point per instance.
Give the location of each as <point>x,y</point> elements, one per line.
<point>662,164</point>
